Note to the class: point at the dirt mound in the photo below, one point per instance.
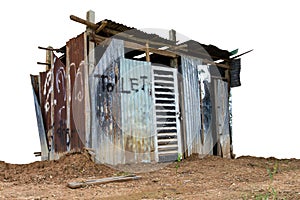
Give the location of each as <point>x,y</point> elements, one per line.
<point>69,166</point>
<point>197,177</point>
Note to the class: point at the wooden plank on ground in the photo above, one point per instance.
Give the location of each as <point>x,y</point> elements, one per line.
<point>74,185</point>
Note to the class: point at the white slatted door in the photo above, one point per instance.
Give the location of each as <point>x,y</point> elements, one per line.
<point>167,128</point>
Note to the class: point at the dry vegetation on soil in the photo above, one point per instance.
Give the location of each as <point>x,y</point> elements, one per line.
<point>196,178</point>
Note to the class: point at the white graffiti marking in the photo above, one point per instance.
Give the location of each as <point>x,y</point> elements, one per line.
<point>47,85</point>
<point>60,81</point>
<point>78,87</point>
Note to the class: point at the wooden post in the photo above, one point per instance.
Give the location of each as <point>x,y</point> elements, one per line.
<point>48,58</point>
<point>51,132</point>
<point>147,52</point>
<point>172,37</point>
<point>90,17</point>
<point>90,63</point>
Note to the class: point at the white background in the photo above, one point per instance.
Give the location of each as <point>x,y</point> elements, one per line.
<point>265,108</point>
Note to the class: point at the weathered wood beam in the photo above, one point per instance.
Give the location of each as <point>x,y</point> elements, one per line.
<point>135,46</point>
<point>75,185</point>
<point>147,52</point>
<point>101,27</point>
<point>216,64</point>
<point>51,49</point>
<point>82,21</point>
<point>42,63</point>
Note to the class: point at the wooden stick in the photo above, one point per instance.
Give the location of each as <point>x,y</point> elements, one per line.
<point>74,185</point>
<point>42,63</point>
<point>51,49</point>
<point>147,52</point>
<point>217,64</point>
<point>135,46</point>
<point>82,21</point>
<point>36,154</point>
<point>101,27</point>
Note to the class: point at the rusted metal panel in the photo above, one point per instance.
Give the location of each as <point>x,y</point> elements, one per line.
<point>191,98</point>
<point>76,101</point>
<point>45,103</point>
<point>61,131</point>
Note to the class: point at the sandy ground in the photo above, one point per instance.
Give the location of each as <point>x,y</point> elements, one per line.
<point>193,178</point>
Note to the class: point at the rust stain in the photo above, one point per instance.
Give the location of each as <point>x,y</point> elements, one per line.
<point>45,102</point>
<point>77,107</point>
<point>61,131</point>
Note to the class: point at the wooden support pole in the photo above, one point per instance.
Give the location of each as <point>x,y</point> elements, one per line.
<point>101,27</point>
<point>48,57</point>
<point>172,37</point>
<point>147,52</point>
<point>51,132</point>
<point>82,21</point>
<point>89,59</point>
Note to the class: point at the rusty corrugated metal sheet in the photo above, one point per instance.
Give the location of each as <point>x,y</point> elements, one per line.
<point>77,107</point>
<point>61,130</point>
<point>45,103</point>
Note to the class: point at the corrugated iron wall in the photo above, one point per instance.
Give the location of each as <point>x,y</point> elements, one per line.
<point>191,104</point>
<point>57,91</point>
<point>122,108</point>
<point>137,122</point>
<point>60,128</point>
<point>76,101</point>
<point>45,85</point>
<point>222,116</point>
<point>205,80</point>
<point>107,138</point>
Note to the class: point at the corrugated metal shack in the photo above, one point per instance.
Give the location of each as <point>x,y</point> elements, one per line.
<point>131,97</point>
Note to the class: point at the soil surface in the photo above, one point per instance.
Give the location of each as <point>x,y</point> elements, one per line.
<point>193,178</point>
